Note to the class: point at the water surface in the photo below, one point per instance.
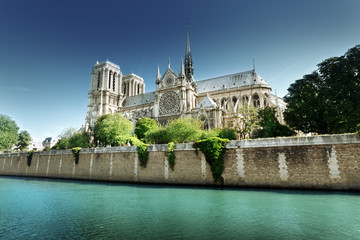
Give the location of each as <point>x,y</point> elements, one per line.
<point>48,209</point>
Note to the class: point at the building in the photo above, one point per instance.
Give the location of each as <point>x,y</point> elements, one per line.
<point>176,95</point>
<point>49,142</point>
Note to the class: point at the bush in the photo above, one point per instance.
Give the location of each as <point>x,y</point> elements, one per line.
<point>108,128</point>
<point>183,130</point>
<point>144,125</point>
<point>227,133</point>
<point>156,135</point>
<point>209,133</point>
<point>213,149</point>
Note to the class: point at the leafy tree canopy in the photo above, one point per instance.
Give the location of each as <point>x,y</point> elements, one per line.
<point>70,138</point>
<point>144,125</point>
<point>108,128</point>
<point>245,120</point>
<point>24,140</point>
<point>270,126</point>
<point>8,132</point>
<point>328,100</point>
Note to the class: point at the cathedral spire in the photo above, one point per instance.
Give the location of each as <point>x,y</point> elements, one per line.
<point>189,71</point>
<point>158,76</point>
<point>169,63</point>
<point>182,73</point>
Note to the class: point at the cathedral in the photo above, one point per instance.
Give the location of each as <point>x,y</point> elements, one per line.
<point>212,101</point>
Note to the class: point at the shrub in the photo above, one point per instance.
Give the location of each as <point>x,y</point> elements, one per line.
<point>108,128</point>
<point>157,135</point>
<point>227,133</point>
<point>144,125</point>
<point>213,149</point>
<point>171,155</point>
<point>184,130</point>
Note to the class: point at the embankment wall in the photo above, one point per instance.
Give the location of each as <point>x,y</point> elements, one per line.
<point>320,162</point>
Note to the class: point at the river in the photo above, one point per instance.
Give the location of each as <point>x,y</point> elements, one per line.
<point>55,209</point>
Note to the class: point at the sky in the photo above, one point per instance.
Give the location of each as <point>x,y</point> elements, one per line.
<point>48,48</point>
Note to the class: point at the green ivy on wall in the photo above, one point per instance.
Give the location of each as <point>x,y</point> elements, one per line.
<point>29,157</point>
<point>171,155</point>
<point>76,151</point>
<point>143,154</point>
<point>213,149</point>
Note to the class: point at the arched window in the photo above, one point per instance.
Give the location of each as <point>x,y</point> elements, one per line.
<point>204,123</point>
<point>110,73</point>
<point>124,89</point>
<point>245,100</point>
<point>98,82</point>
<point>114,82</point>
<point>234,99</point>
<point>265,102</point>
<point>256,100</point>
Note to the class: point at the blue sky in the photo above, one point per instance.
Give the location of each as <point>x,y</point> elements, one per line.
<point>48,48</point>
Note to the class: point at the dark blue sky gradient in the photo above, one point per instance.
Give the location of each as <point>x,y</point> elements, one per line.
<point>48,48</point>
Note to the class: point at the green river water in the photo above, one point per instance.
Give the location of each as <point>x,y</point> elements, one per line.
<point>49,209</point>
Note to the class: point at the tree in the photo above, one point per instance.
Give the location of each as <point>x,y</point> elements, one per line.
<point>270,126</point>
<point>245,120</point>
<point>305,105</point>
<point>109,128</point>
<point>328,100</point>
<point>144,125</point>
<point>8,132</point>
<point>70,138</point>
<point>24,140</point>
<point>184,130</point>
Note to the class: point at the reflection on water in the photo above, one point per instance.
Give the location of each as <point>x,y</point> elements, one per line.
<point>45,209</point>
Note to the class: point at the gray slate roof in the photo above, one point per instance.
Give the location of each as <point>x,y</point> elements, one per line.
<point>141,99</point>
<point>230,81</point>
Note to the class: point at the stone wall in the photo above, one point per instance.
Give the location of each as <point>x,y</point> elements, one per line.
<point>322,162</point>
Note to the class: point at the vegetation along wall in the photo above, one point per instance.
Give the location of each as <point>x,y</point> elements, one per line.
<point>323,162</point>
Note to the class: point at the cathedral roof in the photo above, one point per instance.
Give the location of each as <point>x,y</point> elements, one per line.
<point>141,99</point>
<point>230,81</point>
<point>206,102</point>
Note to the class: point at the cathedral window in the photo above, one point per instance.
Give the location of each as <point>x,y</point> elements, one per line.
<point>114,82</point>
<point>234,99</point>
<point>124,89</point>
<point>256,100</point>
<point>98,81</point>
<point>245,100</point>
<point>138,89</point>
<point>110,73</point>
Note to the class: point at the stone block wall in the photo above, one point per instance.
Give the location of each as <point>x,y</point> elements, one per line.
<point>322,162</point>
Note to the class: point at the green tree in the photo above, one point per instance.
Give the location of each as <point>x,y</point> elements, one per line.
<point>70,138</point>
<point>305,105</point>
<point>183,130</point>
<point>177,131</point>
<point>327,101</point>
<point>109,128</point>
<point>245,120</point>
<point>270,126</point>
<point>144,125</point>
<point>8,132</point>
<point>24,140</point>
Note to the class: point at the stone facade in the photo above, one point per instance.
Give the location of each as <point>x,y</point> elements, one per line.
<point>212,101</point>
<point>322,162</point>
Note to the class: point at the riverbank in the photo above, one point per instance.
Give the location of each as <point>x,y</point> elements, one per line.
<point>318,162</point>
